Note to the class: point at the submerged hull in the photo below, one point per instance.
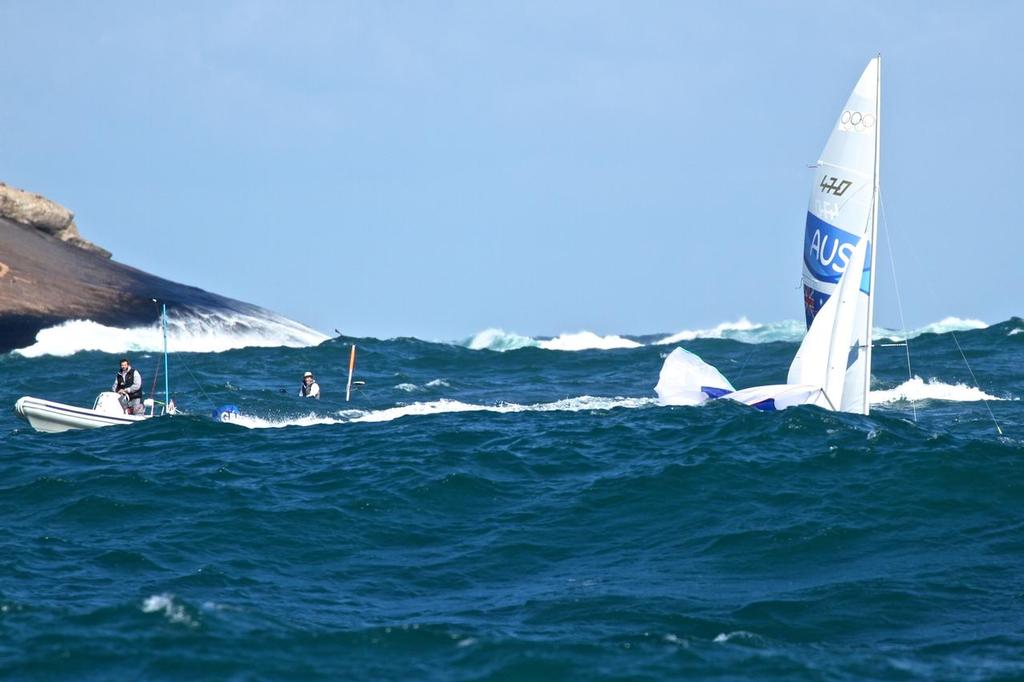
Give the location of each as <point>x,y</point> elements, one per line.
<point>51,417</point>
<point>780,396</point>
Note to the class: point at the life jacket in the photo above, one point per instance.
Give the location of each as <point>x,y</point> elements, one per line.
<point>305,390</point>
<point>126,380</point>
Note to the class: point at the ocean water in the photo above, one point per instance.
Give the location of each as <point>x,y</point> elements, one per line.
<point>503,507</point>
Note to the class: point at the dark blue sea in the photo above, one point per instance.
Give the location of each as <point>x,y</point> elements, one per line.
<point>500,509</point>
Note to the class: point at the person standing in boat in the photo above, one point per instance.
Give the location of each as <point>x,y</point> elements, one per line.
<point>309,387</point>
<point>128,386</point>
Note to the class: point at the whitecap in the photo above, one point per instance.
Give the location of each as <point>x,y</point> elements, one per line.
<point>196,331</point>
<point>918,389</point>
<point>742,330</point>
<point>588,341</point>
<point>738,634</point>
<point>254,422</point>
<point>445,406</point>
<point>943,326</point>
<point>164,603</point>
<point>498,339</point>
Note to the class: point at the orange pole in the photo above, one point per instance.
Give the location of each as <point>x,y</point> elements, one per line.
<point>351,367</point>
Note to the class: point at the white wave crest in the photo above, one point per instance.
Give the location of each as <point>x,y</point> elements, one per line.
<point>742,330</point>
<point>743,635</point>
<point>943,326</point>
<point>918,389</point>
<point>500,340</point>
<point>164,603</point>
<point>588,341</point>
<point>196,331</point>
<point>435,407</point>
<point>412,388</point>
<point>253,422</point>
<point>579,404</point>
<point>1014,332</point>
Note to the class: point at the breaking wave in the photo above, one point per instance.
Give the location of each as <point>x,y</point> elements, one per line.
<point>588,341</point>
<point>793,331</point>
<point>194,332</point>
<point>742,330</point>
<point>500,340</point>
<point>917,389</point>
<point>436,407</point>
<point>943,326</point>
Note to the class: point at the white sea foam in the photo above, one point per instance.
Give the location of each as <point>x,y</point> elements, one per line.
<point>723,637</point>
<point>196,331</point>
<point>500,340</point>
<point>1014,332</point>
<point>253,422</point>
<point>164,603</point>
<point>413,388</point>
<point>742,330</point>
<point>943,326</point>
<point>579,404</point>
<point>435,407</point>
<point>918,389</point>
<point>793,331</point>
<point>587,341</point>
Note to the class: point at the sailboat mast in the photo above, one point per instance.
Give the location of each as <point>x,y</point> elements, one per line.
<point>874,238</point>
<point>167,382</point>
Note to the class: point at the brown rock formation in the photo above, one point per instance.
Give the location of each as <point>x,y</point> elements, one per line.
<point>49,274</point>
<point>45,215</point>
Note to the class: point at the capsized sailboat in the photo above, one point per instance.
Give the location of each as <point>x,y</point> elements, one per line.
<point>832,368</point>
<point>53,417</point>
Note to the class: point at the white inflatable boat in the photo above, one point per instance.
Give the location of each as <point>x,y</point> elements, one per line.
<point>51,417</point>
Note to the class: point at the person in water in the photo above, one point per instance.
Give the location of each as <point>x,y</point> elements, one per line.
<point>309,388</point>
<point>128,385</point>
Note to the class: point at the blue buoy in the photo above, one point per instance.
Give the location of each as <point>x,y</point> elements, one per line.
<point>225,413</point>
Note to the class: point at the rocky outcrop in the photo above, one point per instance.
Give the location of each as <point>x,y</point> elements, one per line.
<point>49,274</point>
<point>36,211</point>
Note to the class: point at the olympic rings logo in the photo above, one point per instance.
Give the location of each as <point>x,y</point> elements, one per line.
<point>856,120</point>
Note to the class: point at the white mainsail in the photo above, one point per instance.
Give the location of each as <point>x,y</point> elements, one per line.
<point>832,368</point>
<point>841,212</point>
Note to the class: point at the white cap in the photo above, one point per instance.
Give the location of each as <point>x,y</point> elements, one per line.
<point>307,374</point>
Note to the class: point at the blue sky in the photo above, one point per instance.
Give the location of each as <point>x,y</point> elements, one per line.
<point>433,169</point>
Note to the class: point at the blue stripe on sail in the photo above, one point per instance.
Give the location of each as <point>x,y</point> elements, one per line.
<point>827,249</point>
<point>713,392</point>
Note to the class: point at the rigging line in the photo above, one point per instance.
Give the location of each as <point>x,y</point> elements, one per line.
<point>956,341</point>
<point>199,385</point>
<point>899,300</point>
<point>999,429</point>
<point>746,361</point>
